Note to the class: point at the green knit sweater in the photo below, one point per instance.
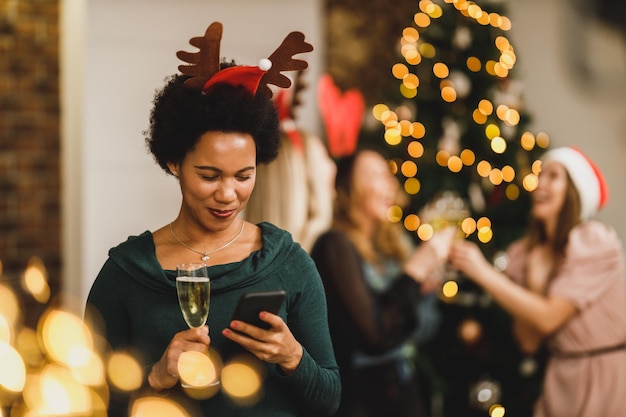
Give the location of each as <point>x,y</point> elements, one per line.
<point>138,303</point>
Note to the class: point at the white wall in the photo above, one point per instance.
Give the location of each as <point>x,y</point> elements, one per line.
<point>129,49</point>
<point>113,189</point>
<point>549,37</point>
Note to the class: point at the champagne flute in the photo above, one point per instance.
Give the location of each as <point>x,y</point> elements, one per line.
<point>445,210</point>
<point>197,371</point>
<point>193,288</point>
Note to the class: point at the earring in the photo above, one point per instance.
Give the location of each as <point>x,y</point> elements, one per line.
<point>175,173</point>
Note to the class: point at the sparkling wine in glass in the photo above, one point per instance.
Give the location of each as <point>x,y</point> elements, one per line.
<point>193,287</point>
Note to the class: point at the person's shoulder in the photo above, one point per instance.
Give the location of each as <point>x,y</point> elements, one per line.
<point>592,236</point>
<point>133,242</point>
<point>593,232</point>
<point>331,241</point>
<point>274,235</point>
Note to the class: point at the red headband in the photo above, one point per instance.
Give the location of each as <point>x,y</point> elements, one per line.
<point>204,65</point>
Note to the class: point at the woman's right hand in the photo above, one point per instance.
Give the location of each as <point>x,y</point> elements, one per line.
<point>467,257</point>
<point>164,373</point>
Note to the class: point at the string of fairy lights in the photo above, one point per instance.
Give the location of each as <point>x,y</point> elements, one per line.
<point>499,120</point>
<point>401,131</point>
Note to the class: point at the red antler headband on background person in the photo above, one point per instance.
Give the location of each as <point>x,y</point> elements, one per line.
<point>205,71</point>
<point>586,176</point>
<point>286,100</point>
<point>342,115</point>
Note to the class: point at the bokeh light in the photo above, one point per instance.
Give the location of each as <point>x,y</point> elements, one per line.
<point>415,149</point>
<point>411,222</point>
<point>394,214</point>
<point>468,157</point>
<point>412,186</point>
<point>543,140</point>
<point>418,130</point>
<point>124,371</point>
<point>468,225</point>
<point>470,331</point>
<point>421,20</point>
<point>496,410</point>
<point>473,64</point>
<point>455,164</point>
<point>13,375</point>
<point>410,34</point>
<point>512,192</point>
<point>378,110</point>
<point>527,141</point>
<point>9,306</point>
<point>485,107</point>
<point>508,173</point>
<point>441,70</point>
<point>530,182</point>
<point>196,369</point>
<point>399,71</point>
<point>35,280</point>
<point>154,406</point>
<point>425,231</point>
<point>492,130</point>
<point>409,169</point>
<point>485,234</point>
<point>242,380</point>
<point>448,94</point>
<point>498,145</point>
<point>450,289</point>
<point>5,330</point>
<point>483,168</point>
<point>65,337</point>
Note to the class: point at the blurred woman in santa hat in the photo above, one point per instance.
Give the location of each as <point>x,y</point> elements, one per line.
<point>566,289</point>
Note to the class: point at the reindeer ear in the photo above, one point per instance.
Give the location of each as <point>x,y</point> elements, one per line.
<point>206,62</point>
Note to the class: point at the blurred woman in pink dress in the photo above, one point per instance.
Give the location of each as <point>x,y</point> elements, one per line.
<point>566,289</point>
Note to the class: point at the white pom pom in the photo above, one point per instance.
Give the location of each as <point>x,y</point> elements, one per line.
<point>265,64</point>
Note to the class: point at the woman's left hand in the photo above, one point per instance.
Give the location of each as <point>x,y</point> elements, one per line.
<point>276,345</point>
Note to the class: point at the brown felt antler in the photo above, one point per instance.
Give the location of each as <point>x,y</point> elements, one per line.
<point>282,60</point>
<point>206,62</point>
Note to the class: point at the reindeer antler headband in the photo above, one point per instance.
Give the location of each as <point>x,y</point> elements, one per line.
<point>204,65</point>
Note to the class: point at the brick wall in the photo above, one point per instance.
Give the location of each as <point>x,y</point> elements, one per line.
<point>29,143</point>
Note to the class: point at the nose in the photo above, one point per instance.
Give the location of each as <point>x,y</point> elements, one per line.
<point>226,192</point>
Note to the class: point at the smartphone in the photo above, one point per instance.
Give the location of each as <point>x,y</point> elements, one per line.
<point>252,303</point>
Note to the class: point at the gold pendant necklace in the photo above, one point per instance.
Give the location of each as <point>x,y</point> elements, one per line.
<point>205,255</point>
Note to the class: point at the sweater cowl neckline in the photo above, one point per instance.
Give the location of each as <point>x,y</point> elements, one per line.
<point>137,256</point>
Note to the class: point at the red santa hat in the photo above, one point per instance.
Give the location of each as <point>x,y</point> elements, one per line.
<point>585,175</point>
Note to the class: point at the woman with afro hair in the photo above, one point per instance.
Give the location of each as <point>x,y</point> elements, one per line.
<point>209,131</point>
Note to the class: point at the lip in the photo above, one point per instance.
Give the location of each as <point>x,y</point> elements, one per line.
<point>221,214</point>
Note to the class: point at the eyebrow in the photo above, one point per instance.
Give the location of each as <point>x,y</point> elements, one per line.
<point>212,168</point>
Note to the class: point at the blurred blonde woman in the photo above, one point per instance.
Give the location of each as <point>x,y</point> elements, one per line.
<point>374,281</point>
<point>295,191</point>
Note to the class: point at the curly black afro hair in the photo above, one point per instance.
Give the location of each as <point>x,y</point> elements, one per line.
<point>180,115</point>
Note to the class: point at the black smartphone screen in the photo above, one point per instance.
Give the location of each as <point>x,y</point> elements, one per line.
<point>251,304</point>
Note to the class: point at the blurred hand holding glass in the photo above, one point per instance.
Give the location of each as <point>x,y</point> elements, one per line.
<point>446,209</point>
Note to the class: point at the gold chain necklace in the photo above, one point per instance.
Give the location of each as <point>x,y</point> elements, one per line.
<point>205,255</point>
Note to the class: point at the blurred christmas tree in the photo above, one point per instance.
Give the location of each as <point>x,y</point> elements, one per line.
<point>457,123</point>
